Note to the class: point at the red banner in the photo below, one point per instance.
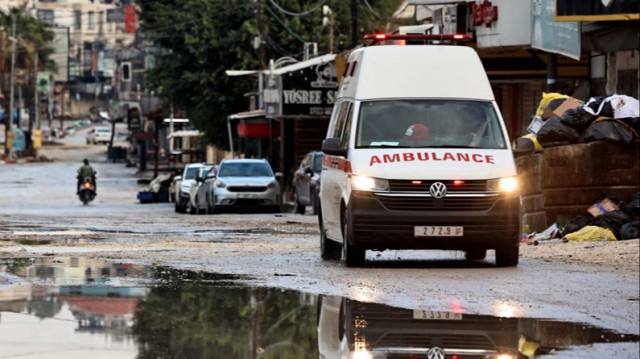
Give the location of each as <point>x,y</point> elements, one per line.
<point>129,19</point>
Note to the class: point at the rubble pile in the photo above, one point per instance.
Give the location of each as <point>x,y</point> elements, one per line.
<point>561,120</point>
<point>609,219</point>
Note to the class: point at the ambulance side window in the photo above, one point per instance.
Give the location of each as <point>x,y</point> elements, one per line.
<point>341,117</point>
<point>346,134</point>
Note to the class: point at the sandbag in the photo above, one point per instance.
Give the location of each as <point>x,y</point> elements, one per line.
<point>624,106</point>
<point>555,133</point>
<point>634,204</point>
<point>608,130</point>
<point>576,224</point>
<point>546,99</point>
<point>599,106</point>
<point>578,118</point>
<point>591,233</point>
<point>613,220</point>
<point>630,230</point>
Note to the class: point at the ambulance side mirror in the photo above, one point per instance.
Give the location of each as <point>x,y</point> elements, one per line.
<point>523,147</point>
<point>332,146</point>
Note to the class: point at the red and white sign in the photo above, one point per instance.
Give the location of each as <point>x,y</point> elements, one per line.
<point>484,13</point>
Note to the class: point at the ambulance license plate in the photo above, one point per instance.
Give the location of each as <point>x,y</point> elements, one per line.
<point>438,231</point>
<point>435,315</point>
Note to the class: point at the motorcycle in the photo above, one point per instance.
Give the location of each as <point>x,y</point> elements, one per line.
<point>87,191</point>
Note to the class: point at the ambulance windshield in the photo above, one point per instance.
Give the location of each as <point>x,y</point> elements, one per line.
<point>429,123</point>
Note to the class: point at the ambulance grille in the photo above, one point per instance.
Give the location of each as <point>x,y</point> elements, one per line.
<point>447,341</point>
<point>433,204</point>
<point>423,186</point>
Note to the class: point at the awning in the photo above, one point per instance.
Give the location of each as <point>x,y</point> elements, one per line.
<point>304,64</point>
<point>185,133</point>
<point>232,73</point>
<point>437,2</point>
<point>247,114</point>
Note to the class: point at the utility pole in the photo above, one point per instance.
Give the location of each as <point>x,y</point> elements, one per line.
<point>261,54</point>
<point>96,79</point>
<point>9,118</point>
<point>354,23</point>
<point>36,107</point>
<point>552,72</point>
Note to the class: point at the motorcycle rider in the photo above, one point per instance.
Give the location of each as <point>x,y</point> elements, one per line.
<point>86,171</point>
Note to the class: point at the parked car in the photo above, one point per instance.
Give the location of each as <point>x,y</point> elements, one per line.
<point>202,191</point>
<point>99,134</point>
<point>183,186</point>
<point>306,183</point>
<point>246,183</point>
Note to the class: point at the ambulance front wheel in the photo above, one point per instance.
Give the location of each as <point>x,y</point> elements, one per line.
<point>353,257</point>
<point>507,256</point>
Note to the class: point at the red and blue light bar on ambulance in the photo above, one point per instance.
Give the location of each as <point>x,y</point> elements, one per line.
<point>403,38</point>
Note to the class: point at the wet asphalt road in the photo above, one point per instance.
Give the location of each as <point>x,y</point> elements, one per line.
<point>40,216</point>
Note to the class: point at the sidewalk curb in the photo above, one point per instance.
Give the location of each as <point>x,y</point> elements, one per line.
<point>17,162</point>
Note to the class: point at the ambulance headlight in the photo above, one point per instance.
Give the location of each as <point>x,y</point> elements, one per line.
<point>505,185</point>
<point>370,184</point>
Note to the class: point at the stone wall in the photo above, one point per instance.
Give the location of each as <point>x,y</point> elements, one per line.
<point>562,182</point>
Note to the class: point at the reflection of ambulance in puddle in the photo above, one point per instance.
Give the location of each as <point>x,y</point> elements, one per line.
<point>417,157</point>
<point>352,329</point>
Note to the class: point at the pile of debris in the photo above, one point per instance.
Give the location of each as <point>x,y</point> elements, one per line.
<point>563,120</point>
<point>609,219</point>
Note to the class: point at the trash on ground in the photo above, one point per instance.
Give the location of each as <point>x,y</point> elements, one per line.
<point>591,233</point>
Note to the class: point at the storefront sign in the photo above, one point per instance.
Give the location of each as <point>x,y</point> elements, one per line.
<point>551,36</point>
<point>597,10</point>
<point>307,92</point>
<point>133,118</point>
<point>512,30</point>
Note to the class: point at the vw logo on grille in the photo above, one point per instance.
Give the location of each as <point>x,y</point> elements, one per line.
<point>438,190</point>
<point>435,353</point>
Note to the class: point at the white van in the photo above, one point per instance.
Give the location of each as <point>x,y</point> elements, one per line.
<point>417,156</point>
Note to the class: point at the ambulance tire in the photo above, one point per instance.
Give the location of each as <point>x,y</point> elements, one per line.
<point>507,256</point>
<point>353,257</point>
<point>475,254</point>
<point>329,250</point>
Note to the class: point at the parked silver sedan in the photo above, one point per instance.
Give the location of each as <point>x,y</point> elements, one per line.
<point>246,183</point>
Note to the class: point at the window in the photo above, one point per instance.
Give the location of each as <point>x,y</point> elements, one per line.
<point>429,123</point>
<point>306,162</point>
<point>245,169</point>
<point>45,16</point>
<point>341,117</point>
<point>78,19</point>
<point>92,20</point>
<point>346,133</point>
<point>317,163</point>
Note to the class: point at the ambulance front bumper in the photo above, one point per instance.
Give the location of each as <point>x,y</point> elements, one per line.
<point>380,222</point>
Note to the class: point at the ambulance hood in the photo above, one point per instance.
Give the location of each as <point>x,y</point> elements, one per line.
<point>433,163</point>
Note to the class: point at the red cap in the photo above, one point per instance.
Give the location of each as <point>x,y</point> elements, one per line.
<point>417,132</point>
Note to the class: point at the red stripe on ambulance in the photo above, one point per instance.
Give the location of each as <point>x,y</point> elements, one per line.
<point>338,163</point>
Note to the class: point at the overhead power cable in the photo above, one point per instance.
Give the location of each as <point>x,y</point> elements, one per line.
<point>291,13</point>
<point>284,25</point>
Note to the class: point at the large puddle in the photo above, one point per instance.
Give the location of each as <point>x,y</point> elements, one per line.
<point>83,308</point>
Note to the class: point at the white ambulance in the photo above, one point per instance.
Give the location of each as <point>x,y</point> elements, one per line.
<point>417,156</point>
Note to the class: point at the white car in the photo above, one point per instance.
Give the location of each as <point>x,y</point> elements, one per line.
<point>183,185</point>
<point>246,183</point>
<point>99,135</point>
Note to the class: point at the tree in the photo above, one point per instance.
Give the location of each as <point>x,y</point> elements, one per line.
<point>203,38</point>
